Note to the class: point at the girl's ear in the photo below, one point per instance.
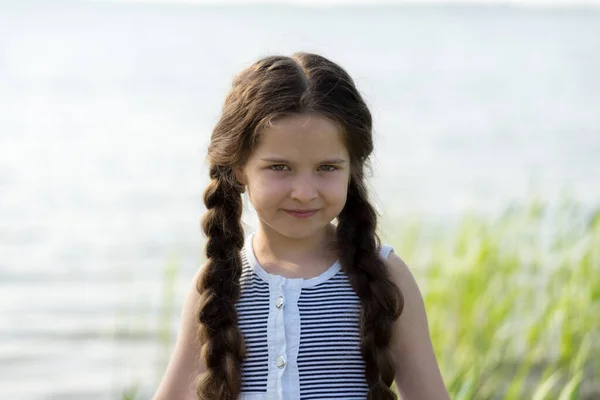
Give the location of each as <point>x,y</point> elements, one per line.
<point>239,175</point>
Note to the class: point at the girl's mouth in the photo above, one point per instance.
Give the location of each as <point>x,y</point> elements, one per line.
<point>301,213</point>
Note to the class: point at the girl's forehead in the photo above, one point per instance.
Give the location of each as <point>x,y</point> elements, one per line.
<point>304,135</point>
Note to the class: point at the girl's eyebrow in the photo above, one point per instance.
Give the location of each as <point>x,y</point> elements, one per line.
<point>334,161</point>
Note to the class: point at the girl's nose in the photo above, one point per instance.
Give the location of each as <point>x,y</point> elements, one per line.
<point>304,190</point>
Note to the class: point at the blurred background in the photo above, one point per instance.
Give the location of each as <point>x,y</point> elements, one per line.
<point>486,174</point>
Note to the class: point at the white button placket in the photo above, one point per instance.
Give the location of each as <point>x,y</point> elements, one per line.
<point>277,340</point>
<point>291,381</point>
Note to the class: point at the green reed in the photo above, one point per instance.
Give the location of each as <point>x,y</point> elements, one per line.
<point>513,303</point>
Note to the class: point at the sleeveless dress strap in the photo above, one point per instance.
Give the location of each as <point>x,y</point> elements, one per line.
<point>385,251</point>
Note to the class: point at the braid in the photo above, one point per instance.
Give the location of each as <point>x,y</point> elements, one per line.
<point>222,342</point>
<point>381,300</point>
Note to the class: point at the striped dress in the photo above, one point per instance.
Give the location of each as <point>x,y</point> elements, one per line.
<point>302,335</point>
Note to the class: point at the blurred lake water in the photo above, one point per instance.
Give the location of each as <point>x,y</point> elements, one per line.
<point>106,110</point>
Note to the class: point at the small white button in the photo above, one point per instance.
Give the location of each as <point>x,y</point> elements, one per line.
<point>280,362</point>
<point>279,302</point>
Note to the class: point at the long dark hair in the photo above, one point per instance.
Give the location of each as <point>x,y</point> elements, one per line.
<point>274,87</point>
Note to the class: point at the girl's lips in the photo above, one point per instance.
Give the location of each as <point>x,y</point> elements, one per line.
<point>301,213</point>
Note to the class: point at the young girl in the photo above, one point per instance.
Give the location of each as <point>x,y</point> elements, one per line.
<point>312,306</point>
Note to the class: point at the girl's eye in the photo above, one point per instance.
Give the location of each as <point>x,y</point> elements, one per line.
<point>328,168</point>
<point>279,167</point>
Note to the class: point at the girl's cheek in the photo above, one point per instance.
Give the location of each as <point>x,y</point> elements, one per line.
<point>337,186</point>
<point>270,188</point>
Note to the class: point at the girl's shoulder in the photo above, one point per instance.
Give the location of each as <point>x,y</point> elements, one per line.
<point>411,345</point>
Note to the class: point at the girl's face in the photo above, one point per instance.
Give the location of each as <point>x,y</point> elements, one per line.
<point>298,176</point>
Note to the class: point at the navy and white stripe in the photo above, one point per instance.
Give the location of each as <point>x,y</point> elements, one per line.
<point>253,312</point>
<point>330,363</point>
<point>316,332</point>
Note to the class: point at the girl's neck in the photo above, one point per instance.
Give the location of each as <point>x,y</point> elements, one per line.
<point>295,258</point>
